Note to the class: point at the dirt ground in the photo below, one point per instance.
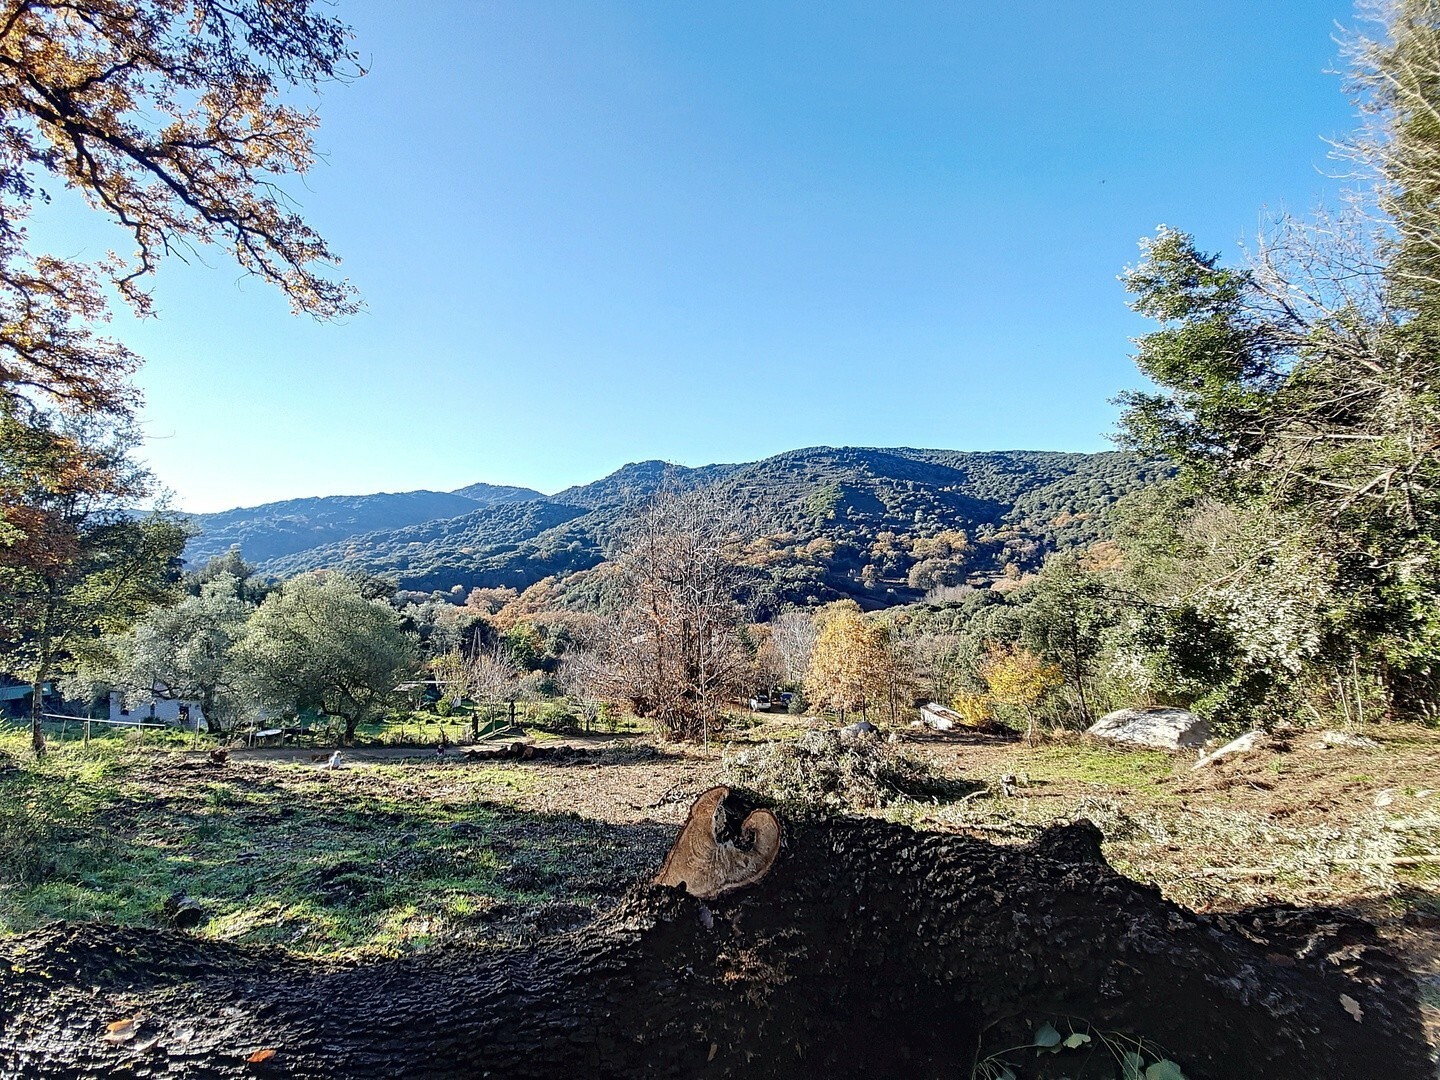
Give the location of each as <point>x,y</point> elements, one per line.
<point>401,849</point>
<point>1294,822</point>
<point>624,783</point>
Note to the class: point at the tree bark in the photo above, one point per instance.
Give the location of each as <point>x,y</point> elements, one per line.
<point>37,730</point>
<point>868,951</point>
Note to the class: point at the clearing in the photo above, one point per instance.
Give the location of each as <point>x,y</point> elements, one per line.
<point>397,851</point>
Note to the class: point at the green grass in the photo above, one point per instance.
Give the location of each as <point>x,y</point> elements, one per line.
<point>539,719</point>
<point>1093,763</point>
<point>382,858</point>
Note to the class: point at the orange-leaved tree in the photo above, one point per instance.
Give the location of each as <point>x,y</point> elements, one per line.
<point>174,120</point>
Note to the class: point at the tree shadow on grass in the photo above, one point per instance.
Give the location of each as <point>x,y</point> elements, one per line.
<point>317,863</point>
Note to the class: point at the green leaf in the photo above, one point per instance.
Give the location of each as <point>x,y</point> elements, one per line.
<point>1132,1066</point>
<point>1046,1036</point>
<point>1164,1070</point>
<point>1006,1073</point>
<point>1078,1038</point>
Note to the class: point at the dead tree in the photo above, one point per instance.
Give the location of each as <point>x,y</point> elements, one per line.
<point>867,950</point>
<point>671,649</point>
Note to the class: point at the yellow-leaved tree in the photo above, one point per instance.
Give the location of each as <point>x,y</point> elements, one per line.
<point>855,663</point>
<point>1019,678</point>
<point>975,708</point>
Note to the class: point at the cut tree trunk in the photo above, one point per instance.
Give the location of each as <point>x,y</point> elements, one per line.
<point>869,950</point>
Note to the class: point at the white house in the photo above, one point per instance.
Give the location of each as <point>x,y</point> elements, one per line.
<point>178,712</point>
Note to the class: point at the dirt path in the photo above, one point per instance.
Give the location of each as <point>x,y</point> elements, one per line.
<point>305,755</point>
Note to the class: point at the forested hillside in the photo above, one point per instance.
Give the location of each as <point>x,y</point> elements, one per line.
<point>491,494</point>
<point>879,525</point>
<point>281,528</point>
<point>439,553</point>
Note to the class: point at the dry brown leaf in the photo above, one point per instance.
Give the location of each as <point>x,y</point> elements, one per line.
<point>121,1030</point>
<point>260,1055</point>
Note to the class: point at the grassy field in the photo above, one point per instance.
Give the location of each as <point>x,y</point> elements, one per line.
<point>397,851</point>
<point>384,857</point>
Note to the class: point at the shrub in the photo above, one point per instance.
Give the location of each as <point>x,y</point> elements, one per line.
<point>975,709</point>
<point>608,716</point>
<point>553,717</point>
<point>823,774</point>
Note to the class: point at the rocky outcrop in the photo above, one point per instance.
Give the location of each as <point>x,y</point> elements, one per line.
<point>1162,728</point>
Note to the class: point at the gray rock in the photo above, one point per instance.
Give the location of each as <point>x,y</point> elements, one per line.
<point>858,729</point>
<point>1331,739</point>
<point>1166,729</point>
<point>1243,745</point>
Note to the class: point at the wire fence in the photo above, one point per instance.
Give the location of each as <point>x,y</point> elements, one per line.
<point>82,724</point>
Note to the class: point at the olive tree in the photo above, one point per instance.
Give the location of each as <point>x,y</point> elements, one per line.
<point>188,650</point>
<point>320,643</point>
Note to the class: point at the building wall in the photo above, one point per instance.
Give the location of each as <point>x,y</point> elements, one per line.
<point>156,711</point>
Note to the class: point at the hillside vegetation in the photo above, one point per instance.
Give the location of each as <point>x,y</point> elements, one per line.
<point>277,529</point>
<point>882,526</point>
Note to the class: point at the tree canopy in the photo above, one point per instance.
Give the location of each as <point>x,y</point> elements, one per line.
<point>320,643</point>
<point>76,560</point>
<point>175,121</point>
<point>1302,391</point>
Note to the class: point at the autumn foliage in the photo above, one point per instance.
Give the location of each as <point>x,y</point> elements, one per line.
<point>174,121</point>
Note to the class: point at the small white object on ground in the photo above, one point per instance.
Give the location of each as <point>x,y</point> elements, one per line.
<point>334,762</point>
<point>1243,745</point>
<point>1168,729</point>
<point>1384,798</point>
<point>1331,739</point>
<point>937,716</point>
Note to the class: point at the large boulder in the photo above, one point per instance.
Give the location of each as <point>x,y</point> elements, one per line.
<point>1166,729</point>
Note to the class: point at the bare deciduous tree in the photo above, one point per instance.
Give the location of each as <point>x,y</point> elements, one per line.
<point>672,649</point>
<point>792,634</point>
<point>490,676</point>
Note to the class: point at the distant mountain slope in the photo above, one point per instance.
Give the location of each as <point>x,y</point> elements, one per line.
<point>433,554</point>
<point>638,481</point>
<point>878,525</point>
<point>491,494</point>
<point>280,528</point>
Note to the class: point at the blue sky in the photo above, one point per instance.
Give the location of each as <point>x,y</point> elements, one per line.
<point>590,232</point>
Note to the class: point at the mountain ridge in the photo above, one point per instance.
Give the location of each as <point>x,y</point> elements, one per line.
<point>828,522</point>
<point>275,529</point>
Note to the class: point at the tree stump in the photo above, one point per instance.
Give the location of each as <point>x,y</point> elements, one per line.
<point>867,950</point>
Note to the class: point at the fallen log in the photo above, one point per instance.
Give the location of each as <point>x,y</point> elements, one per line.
<point>866,950</point>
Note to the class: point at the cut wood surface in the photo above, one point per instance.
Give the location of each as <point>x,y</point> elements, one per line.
<point>717,852</point>
<point>868,950</point>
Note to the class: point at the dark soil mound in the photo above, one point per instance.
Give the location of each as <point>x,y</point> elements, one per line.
<point>867,951</point>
